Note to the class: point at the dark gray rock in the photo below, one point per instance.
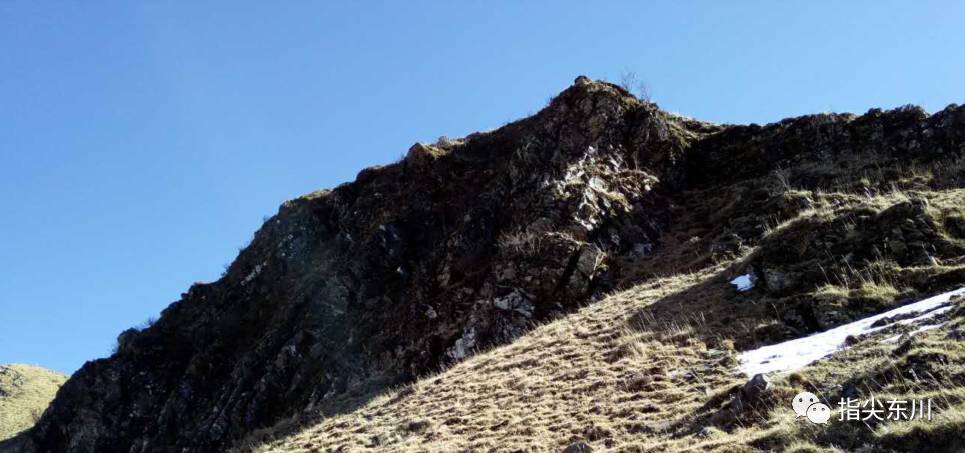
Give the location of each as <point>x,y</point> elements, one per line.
<point>756,388</point>
<point>955,225</point>
<point>411,267</point>
<point>578,447</point>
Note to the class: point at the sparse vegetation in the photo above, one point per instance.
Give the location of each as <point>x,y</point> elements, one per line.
<point>652,368</point>
<point>625,375</point>
<point>525,243</point>
<point>633,85</point>
<point>25,391</point>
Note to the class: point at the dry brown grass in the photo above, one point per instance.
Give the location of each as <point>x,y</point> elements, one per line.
<point>652,367</point>
<point>923,366</point>
<point>632,373</point>
<point>607,374</point>
<point>25,392</point>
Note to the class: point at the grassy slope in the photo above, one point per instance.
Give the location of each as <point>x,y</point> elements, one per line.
<point>25,392</point>
<point>625,382</point>
<point>653,368</point>
<point>581,377</point>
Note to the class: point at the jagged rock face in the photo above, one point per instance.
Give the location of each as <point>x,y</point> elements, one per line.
<point>460,246</point>
<point>905,135</point>
<point>414,265</point>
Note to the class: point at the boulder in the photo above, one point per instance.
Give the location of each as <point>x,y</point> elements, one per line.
<point>578,447</point>
<point>756,388</point>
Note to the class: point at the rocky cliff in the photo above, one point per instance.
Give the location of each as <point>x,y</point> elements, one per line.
<point>466,244</point>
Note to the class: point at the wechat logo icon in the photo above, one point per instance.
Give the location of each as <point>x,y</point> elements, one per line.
<point>806,404</point>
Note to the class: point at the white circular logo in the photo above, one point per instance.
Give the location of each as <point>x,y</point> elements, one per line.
<point>819,413</point>
<point>802,401</point>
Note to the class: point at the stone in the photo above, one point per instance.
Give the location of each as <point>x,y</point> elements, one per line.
<point>955,225</point>
<point>775,280</point>
<point>641,250</point>
<point>850,391</point>
<point>421,153</point>
<point>708,431</point>
<point>756,388</point>
<point>578,447</point>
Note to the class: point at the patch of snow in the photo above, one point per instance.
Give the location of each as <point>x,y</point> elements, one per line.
<point>895,338</point>
<point>891,339</point>
<point>927,327</point>
<point>793,354</point>
<point>743,282</point>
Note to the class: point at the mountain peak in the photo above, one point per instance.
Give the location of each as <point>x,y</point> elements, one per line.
<point>464,245</point>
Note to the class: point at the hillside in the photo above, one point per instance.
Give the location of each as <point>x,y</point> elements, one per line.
<point>25,392</point>
<point>613,226</point>
<point>657,367</point>
<point>625,375</point>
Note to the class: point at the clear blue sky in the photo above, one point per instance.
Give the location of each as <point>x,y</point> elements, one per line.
<point>141,143</point>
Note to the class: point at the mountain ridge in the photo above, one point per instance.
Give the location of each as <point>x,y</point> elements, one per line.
<point>465,244</point>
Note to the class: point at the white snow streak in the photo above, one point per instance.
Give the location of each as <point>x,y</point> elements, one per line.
<point>793,354</point>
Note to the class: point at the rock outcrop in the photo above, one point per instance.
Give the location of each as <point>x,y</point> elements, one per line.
<point>460,246</point>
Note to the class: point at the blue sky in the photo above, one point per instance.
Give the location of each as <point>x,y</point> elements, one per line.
<point>141,143</point>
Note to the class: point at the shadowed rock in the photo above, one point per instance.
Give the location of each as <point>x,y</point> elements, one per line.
<point>462,245</point>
